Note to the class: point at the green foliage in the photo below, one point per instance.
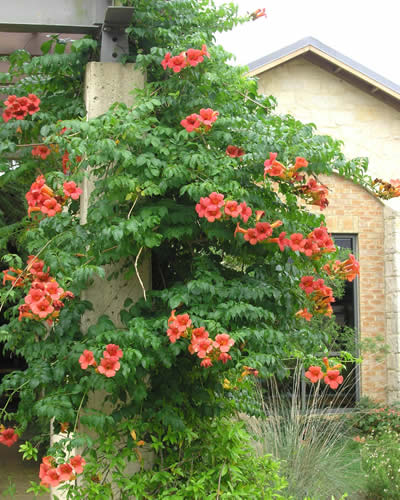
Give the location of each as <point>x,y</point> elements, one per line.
<point>372,418</point>
<point>211,460</point>
<point>10,490</point>
<point>148,174</point>
<point>28,451</point>
<point>381,462</point>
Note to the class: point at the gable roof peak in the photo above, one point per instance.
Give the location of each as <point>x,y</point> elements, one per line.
<point>323,55</point>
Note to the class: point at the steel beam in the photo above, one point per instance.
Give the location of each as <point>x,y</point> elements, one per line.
<point>69,17</point>
<point>52,16</point>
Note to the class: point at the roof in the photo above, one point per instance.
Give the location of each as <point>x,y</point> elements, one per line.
<point>329,59</point>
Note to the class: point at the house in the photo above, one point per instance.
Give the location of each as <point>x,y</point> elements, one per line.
<point>352,103</point>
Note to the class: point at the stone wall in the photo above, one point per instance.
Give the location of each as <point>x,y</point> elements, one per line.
<point>392,279</point>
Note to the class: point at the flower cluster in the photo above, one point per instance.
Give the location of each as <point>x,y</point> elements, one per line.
<point>386,190</point>
<point>248,370</point>
<point>257,14</point>
<point>192,57</point>
<point>331,375</point>
<point>41,198</point>
<point>346,270</point>
<point>319,293</point>
<point>109,363</point>
<point>214,207</point>
<point>274,168</point>
<point>304,313</point>
<point>19,107</point>
<point>211,207</point>
<point>313,193</point>
<point>44,299</point>
<point>234,151</point>
<point>261,232</point>
<point>200,122</point>
<point>8,436</point>
<point>42,151</point>
<point>314,245</point>
<point>207,349</point>
<point>66,161</point>
<point>45,296</point>
<point>52,474</point>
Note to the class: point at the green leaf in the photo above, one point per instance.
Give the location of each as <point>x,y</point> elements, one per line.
<point>60,48</point>
<point>46,46</point>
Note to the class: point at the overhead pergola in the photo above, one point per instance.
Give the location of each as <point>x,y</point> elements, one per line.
<point>27,24</point>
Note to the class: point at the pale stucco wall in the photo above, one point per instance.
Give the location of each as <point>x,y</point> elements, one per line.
<point>367,126</point>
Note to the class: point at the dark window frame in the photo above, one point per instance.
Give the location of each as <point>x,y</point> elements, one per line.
<point>354,248</point>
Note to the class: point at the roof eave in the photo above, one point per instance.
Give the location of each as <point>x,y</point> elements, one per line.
<point>312,47</point>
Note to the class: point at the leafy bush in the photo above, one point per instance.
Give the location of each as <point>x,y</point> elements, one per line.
<point>371,418</point>
<point>381,463</point>
<point>211,460</point>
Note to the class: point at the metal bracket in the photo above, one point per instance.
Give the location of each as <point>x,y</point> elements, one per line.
<point>114,40</point>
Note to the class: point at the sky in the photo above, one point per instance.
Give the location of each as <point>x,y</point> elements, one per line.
<point>365,30</point>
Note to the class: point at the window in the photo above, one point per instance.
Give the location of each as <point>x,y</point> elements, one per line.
<point>345,310</point>
<point>346,313</point>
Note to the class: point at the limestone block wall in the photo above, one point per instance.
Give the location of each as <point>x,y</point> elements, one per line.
<point>392,278</point>
<point>353,210</point>
<point>367,126</point>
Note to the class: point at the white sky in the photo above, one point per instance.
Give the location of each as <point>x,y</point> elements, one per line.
<point>368,31</point>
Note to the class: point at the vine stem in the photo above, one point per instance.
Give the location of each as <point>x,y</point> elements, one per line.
<point>205,143</point>
<point>78,412</point>
<point>104,251</point>
<point>133,206</point>
<point>137,273</point>
<point>219,481</point>
<point>3,410</point>
<point>255,102</point>
<point>42,143</point>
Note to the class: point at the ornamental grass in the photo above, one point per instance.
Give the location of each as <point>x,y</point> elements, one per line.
<point>309,438</point>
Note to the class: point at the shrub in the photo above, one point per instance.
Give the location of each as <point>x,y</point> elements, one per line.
<point>374,418</point>
<point>381,463</point>
<point>212,460</point>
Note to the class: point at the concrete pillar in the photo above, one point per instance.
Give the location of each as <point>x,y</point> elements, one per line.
<point>105,84</point>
